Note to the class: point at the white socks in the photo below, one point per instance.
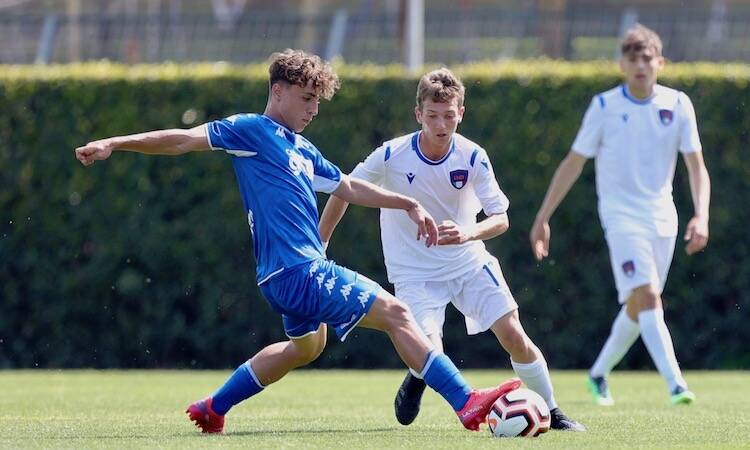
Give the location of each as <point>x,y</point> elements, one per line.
<point>658,341</point>
<point>535,376</point>
<point>624,333</point>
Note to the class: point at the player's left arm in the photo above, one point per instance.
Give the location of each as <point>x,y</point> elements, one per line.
<point>696,232</point>
<point>494,203</point>
<point>453,234</point>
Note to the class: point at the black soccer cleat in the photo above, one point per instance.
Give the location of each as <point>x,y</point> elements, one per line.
<point>408,399</point>
<point>559,421</point>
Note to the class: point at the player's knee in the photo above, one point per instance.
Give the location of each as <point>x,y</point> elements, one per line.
<point>514,340</point>
<point>646,298</point>
<point>398,313</point>
<point>305,354</point>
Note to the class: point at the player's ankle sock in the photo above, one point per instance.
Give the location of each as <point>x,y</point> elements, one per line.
<point>443,376</point>
<point>659,344</point>
<point>535,376</point>
<point>241,385</point>
<point>624,333</point>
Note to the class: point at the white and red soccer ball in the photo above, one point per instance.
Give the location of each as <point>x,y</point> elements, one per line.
<point>521,412</point>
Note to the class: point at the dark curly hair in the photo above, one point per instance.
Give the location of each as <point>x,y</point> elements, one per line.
<point>300,68</point>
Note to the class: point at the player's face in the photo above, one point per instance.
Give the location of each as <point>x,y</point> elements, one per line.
<point>439,120</point>
<point>640,68</point>
<point>297,105</point>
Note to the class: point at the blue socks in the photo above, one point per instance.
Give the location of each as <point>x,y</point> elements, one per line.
<point>241,385</point>
<point>441,374</point>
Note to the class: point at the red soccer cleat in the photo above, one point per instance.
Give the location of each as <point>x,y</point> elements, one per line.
<point>474,412</point>
<point>204,416</point>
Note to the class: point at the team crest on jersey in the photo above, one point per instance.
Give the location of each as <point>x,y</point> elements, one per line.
<point>628,267</point>
<point>459,178</point>
<point>666,116</point>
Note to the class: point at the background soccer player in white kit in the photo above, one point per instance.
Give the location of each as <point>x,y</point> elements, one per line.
<point>453,178</point>
<point>634,132</point>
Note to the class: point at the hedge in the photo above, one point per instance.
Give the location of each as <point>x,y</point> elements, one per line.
<point>146,261</point>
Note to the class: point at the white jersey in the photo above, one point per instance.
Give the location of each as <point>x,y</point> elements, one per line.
<point>455,188</point>
<point>635,143</point>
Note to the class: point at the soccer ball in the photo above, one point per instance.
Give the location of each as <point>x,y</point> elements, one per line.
<point>521,412</point>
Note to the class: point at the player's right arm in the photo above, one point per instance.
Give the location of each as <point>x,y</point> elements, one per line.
<point>159,142</point>
<point>566,174</point>
<point>586,145</point>
<point>372,169</point>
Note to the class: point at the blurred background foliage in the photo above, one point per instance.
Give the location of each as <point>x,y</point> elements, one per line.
<point>146,261</point>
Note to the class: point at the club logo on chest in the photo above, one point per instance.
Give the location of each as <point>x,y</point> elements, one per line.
<point>459,178</point>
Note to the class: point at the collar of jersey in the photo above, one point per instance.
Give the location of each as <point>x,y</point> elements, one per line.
<point>287,129</point>
<point>637,101</point>
<point>415,147</point>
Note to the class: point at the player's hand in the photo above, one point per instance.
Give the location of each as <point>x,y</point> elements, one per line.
<point>451,234</point>
<point>696,235</point>
<point>95,151</point>
<point>539,237</point>
<point>426,227</point>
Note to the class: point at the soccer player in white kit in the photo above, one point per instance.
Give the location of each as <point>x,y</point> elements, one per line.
<point>634,132</point>
<point>453,178</point>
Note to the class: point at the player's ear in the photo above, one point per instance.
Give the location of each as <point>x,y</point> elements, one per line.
<point>461,112</point>
<point>418,114</point>
<point>660,62</point>
<point>276,91</point>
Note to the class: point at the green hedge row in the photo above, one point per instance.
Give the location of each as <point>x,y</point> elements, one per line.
<point>146,261</point>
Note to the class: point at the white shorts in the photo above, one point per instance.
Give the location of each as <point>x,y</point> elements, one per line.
<point>639,260</point>
<point>482,296</point>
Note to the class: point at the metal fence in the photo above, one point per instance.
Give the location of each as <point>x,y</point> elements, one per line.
<point>451,36</point>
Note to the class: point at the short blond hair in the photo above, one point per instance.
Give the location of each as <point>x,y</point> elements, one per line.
<point>300,68</point>
<point>441,86</point>
<point>639,38</point>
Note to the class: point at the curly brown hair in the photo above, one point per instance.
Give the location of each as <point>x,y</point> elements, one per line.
<point>639,38</point>
<point>300,68</point>
<point>441,86</point>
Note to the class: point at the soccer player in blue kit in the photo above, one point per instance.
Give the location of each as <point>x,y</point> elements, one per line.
<point>278,172</point>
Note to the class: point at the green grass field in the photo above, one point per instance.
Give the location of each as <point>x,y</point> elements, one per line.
<point>350,409</point>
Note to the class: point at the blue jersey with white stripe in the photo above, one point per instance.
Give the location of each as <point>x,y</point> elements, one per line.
<point>278,172</point>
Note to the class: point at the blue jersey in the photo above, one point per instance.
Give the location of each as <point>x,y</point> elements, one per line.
<point>278,172</point>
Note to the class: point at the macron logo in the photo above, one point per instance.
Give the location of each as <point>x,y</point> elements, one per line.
<point>410,176</point>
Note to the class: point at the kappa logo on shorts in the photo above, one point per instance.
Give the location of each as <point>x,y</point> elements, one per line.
<point>346,290</point>
<point>314,267</point>
<point>331,283</point>
<point>629,268</point>
<point>363,297</point>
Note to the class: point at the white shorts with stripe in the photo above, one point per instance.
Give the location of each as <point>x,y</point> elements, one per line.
<point>482,296</point>
<point>638,260</point>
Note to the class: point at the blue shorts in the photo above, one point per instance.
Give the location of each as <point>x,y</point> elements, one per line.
<point>318,292</point>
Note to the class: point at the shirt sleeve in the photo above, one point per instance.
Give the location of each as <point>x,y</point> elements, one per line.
<point>689,140</point>
<point>326,175</point>
<point>589,136</point>
<point>372,169</point>
<point>492,199</point>
<point>236,135</point>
